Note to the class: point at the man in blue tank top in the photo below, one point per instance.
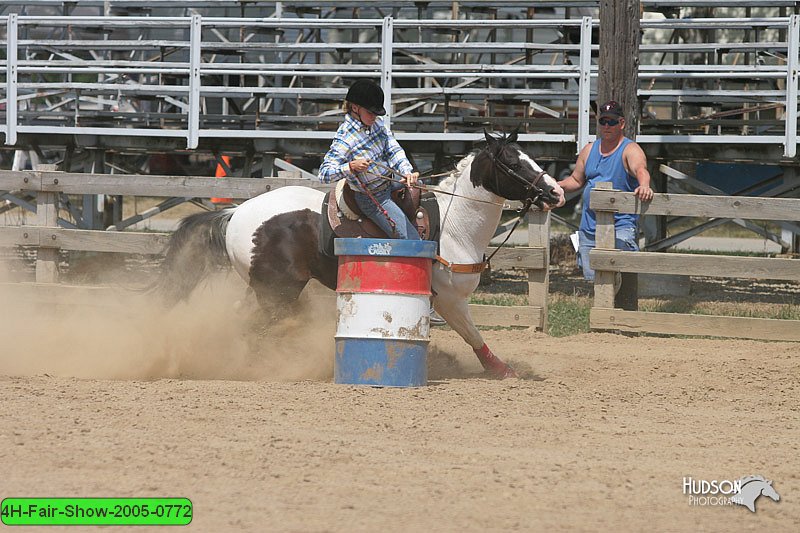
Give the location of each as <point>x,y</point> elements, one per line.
<point>616,159</point>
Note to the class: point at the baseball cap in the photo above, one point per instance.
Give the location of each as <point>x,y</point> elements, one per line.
<point>611,109</point>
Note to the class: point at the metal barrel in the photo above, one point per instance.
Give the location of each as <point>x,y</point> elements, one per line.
<point>383,311</point>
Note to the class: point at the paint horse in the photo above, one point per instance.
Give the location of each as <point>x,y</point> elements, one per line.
<point>272,240</point>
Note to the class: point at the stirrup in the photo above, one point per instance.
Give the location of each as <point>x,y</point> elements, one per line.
<point>435,319</point>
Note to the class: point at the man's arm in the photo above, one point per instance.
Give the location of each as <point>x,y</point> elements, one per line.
<point>577,179</point>
<point>636,165</point>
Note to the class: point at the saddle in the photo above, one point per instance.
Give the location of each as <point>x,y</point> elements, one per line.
<point>341,216</point>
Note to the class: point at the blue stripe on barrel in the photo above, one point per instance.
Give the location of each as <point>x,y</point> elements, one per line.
<point>383,304</point>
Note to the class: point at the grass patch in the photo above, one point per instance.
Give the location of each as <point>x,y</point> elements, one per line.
<point>568,315</point>
<point>483,298</point>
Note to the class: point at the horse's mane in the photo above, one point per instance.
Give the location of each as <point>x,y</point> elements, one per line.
<point>748,479</point>
<point>450,181</point>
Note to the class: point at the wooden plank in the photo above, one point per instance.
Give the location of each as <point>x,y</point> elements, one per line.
<point>139,185</point>
<point>605,238</point>
<point>517,257</point>
<point>16,180</point>
<point>107,241</point>
<point>506,315</point>
<point>154,243</point>
<point>129,185</point>
<point>705,325</point>
<point>19,236</point>
<point>696,265</point>
<point>539,279</point>
<point>695,205</point>
<point>46,255</point>
<point>85,240</point>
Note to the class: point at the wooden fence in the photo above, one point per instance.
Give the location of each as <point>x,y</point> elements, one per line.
<point>608,261</point>
<point>48,238</point>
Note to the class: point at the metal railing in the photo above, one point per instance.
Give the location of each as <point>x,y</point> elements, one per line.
<point>276,78</point>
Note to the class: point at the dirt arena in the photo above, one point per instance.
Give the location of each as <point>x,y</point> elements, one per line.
<point>599,433</point>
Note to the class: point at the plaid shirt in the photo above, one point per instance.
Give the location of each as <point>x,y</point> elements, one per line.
<point>353,140</point>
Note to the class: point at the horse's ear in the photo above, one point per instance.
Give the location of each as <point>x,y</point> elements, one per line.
<point>514,134</point>
<point>490,140</point>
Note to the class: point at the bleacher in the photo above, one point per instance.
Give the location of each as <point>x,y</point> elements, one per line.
<point>253,75</point>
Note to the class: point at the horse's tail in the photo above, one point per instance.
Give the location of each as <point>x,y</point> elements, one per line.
<point>194,250</point>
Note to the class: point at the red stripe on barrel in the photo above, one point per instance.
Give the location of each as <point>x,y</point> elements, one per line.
<point>398,275</point>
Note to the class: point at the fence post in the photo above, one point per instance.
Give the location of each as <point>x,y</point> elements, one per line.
<point>792,77</point>
<point>46,217</point>
<point>584,83</point>
<point>193,120</point>
<point>539,279</point>
<point>387,44</point>
<point>605,238</point>
<point>11,80</point>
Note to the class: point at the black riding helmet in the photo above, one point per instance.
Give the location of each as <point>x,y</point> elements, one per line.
<point>368,95</point>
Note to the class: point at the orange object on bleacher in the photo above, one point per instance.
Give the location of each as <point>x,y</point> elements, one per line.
<point>220,173</point>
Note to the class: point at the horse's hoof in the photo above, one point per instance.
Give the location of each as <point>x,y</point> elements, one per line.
<point>504,372</point>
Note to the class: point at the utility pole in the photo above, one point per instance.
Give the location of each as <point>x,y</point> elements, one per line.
<point>618,65</point>
<point>618,61</point>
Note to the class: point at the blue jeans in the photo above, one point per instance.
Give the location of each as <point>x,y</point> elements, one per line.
<point>625,239</point>
<point>403,229</point>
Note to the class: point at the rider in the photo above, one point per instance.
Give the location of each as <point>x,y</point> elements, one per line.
<point>361,140</point>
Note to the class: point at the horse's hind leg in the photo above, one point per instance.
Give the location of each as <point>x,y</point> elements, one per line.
<point>455,311</point>
<point>283,260</point>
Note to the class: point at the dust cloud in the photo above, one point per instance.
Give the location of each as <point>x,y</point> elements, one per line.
<point>113,332</point>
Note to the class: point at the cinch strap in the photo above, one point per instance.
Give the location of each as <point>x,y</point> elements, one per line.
<point>468,268</point>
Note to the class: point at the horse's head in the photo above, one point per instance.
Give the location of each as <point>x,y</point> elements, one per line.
<point>504,169</point>
<point>769,491</point>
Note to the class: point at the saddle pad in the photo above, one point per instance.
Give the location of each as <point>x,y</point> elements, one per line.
<point>332,225</point>
<point>341,201</point>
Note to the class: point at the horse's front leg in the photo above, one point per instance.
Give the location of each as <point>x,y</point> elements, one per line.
<point>452,305</point>
<point>278,298</point>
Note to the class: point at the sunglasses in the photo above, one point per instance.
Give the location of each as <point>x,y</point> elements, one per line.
<point>607,122</point>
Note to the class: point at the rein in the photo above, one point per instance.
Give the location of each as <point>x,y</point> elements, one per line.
<point>477,268</point>
<point>428,188</point>
<point>377,204</point>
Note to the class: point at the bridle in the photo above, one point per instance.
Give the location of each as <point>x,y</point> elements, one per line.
<point>530,186</point>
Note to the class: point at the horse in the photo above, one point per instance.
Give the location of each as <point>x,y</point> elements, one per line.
<point>272,240</point>
<point>751,488</point>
